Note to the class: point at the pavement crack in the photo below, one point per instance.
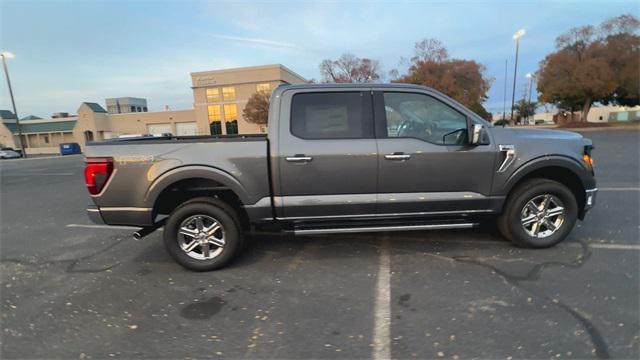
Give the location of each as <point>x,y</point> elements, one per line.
<point>72,263</point>
<point>599,344</point>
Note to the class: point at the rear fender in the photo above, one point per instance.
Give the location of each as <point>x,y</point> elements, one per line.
<point>191,172</point>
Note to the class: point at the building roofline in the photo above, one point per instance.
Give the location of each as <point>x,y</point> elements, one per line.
<point>152,112</point>
<point>245,68</point>
<point>50,120</point>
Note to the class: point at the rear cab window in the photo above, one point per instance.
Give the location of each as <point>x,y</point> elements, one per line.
<point>332,115</point>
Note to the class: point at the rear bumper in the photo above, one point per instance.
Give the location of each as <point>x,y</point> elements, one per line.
<point>132,216</point>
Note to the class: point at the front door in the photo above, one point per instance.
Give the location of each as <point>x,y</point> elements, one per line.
<point>327,156</point>
<point>426,165</point>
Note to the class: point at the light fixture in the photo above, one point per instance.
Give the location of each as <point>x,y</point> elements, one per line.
<point>520,33</point>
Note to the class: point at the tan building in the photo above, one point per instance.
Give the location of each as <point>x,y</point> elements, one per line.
<point>221,95</point>
<point>219,99</point>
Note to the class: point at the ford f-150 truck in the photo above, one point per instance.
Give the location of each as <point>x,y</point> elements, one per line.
<point>344,158</point>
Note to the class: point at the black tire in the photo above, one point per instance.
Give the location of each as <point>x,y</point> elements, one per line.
<point>213,208</point>
<point>509,222</point>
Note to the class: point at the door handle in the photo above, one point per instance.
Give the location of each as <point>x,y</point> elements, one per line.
<point>397,156</point>
<point>299,158</point>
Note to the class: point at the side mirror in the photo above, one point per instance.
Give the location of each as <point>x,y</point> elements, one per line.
<point>479,135</point>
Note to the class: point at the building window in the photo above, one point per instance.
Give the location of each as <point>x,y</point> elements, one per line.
<point>232,127</point>
<point>213,95</point>
<point>46,139</point>
<point>145,109</point>
<point>214,112</point>
<point>228,93</point>
<point>215,127</point>
<point>263,87</point>
<point>230,112</point>
<point>133,109</point>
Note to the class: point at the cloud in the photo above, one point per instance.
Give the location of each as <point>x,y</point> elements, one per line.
<point>265,42</point>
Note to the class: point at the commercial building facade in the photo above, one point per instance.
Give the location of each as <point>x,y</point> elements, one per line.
<point>219,99</point>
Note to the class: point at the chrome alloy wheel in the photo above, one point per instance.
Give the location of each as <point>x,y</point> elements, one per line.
<point>201,237</point>
<point>542,216</point>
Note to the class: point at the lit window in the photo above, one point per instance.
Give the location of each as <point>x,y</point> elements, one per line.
<point>213,112</point>
<point>230,112</point>
<point>228,93</point>
<point>213,95</point>
<point>263,87</point>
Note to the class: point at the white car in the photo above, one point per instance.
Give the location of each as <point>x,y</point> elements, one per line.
<point>9,154</point>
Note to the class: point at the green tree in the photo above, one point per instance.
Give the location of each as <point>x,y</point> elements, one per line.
<point>525,108</point>
<point>257,109</point>
<point>593,65</point>
<point>462,80</point>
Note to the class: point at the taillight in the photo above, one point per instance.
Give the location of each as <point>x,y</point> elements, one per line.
<point>96,173</point>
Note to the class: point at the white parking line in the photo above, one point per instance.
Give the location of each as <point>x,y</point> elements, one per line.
<point>38,174</point>
<point>382,307</point>
<point>615,246</point>
<point>620,189</point>
<point>45,157</point>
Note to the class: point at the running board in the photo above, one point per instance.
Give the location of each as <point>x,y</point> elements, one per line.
<point>360,229</point>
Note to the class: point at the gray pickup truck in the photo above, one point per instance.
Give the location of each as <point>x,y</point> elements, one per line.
<point>340,159</point>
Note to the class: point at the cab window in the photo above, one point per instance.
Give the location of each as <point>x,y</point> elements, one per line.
<point>332,115</point>
<point>420,116</point>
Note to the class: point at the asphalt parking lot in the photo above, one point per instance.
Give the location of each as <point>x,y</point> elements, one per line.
<point>72,290</point>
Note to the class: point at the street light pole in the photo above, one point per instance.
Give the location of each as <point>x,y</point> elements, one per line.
<point>504,103</point>
<point>4,56</point>
<point>516,37</point>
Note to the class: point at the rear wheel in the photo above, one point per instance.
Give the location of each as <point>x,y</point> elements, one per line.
<point>203,234</point>
<point>539,213</point>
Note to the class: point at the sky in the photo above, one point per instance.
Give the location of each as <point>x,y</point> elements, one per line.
<point>68,52</point>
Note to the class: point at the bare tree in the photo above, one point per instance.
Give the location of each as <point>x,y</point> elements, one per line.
<point>430,50</point>
<point>350,69</point>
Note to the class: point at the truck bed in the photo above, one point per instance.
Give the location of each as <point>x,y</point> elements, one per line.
<point>145,167</point>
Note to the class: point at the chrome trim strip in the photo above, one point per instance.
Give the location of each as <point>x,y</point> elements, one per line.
<point>386,215</point>
<point>126,209</point>
<point>385,228</point>
<point>591,190</point>
<point>510,156</point>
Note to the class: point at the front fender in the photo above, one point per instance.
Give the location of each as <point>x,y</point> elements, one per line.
<point>191,172</point>
<point>546,161</point>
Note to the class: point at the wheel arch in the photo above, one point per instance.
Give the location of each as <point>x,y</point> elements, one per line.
<point>564,170</point>
<point>183,184</point>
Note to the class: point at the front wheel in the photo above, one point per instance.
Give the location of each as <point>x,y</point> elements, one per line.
<point>539,213</point>
<point>203,234</point>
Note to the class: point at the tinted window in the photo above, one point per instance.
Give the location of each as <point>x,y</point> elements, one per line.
<point>331,115</point>
<point>423,117</point>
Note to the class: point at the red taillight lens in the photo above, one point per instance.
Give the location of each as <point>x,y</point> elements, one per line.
<point>97,172</point>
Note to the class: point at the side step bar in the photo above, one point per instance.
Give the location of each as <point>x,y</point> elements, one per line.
<point>360,229</point>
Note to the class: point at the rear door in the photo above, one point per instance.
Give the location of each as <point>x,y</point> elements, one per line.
<point>327,156</point>
<point>426,166</point>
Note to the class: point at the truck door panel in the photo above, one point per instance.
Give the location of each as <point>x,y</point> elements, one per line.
<point>327,154</point>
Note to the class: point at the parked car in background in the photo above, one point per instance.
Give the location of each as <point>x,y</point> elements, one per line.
<point>9,154</point>
<point>343,159</point>
<point>19,151</point>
